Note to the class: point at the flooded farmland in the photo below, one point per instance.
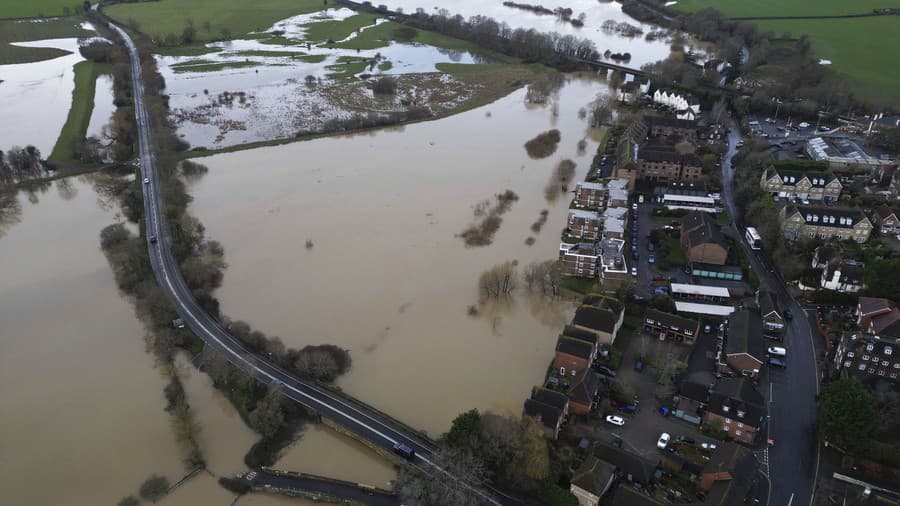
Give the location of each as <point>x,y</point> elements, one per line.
<point>387,277</point>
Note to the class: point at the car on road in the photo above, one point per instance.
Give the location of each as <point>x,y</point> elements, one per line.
<point>404,451</point>
<point>777,362</point>
<point>615,420</point>
<point>606,371</point>
<point>651,259</point>
<point>146,180</point>
<point>788,314</point>
<point>778,351</point>
<point>650,247</point>
<point>663,441</point>
<point>708,446</point>
<point>634,271</point>
<point>634,206</point>
<point>707,329</point>
<point>153,239</point>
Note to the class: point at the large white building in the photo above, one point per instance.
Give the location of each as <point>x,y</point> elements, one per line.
<point>686,106</point>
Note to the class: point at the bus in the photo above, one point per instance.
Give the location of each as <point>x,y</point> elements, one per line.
<point>753,238</point>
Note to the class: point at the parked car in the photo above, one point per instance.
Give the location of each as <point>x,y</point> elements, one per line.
<point>404,451</point>
<point>615,420</point>
<point>606,371</point>
<point>773,337</point>
<point>659,278</point>
<point>777,362</point>
<point>634,271</point>
<point>661,290</point>
<point>651,259</point>
<point>708,446</point>
<point>635,255</point>
<point>638,365</point>
<point>778,351</point>
<point>634,206</point>
<point>686,439</point>
<point>707,329</point>
<point>663,441</point>
<point>650,247</point>
<point>628,408</point>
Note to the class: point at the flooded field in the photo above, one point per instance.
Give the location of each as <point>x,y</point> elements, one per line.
<point>36,97</point>
<point>83,404</point>
<point>388,277</point>
<point>103,106</point>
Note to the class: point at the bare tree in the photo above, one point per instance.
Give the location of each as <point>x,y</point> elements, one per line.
<point>454,487</point>
<point>543,277</point>
<point>497,281</point>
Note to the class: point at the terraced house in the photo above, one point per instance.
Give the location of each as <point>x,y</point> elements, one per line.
<point>668,165</point>
<point>825,223</point>
<point>809,185</point>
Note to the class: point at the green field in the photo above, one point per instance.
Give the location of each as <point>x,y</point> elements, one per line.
<point>37,8</point>
<point>745,8</point>
<point>79,118</point>
<point>338,30</point>
<point>236,17</point>
<point>22,31</point>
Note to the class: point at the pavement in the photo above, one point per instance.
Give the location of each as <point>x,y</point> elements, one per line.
<point>793,456</point>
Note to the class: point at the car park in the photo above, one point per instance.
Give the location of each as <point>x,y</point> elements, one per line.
<point>778,351</point>
<point>615,420</point>
<point>663,441</point>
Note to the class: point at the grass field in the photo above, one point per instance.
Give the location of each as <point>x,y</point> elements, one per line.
<point>23,31</point>
<point>79,118</point>
<point>744,8</point>
<point>238,17</point>
<point>36,8</point>
<point>338,30</point>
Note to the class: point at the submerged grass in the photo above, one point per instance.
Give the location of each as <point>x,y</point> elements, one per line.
<point>215,66</point>
<point>347,66</point>
<point>79,117</point>
<point>192,50</point>
<point>23,31</point>
<point>338,29</point>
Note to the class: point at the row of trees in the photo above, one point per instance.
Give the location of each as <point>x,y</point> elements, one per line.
<point>21,164</point>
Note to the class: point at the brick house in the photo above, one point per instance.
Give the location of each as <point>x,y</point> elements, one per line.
<point>664,126</point>
<point>583,392</point>
<point>886,220</point>
<point>604,321</point>
<point>868,308</point>
<point>744,350</point>
<point>579,260</point>
<point>590,195</point>
<point>549,407</point>
<point>583,224</point>
<point>701,239</point>
<point>868,357</point>
<point>772,319</point>
<point>573,356</point>
<point>668,165</point>
<point>728,476</point>
<point>591,480</point>
<point>825,223</point>
<point>671,327</point>
<point>740,407</point>
<point>808,185</point>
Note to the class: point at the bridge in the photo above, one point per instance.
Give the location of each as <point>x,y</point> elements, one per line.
<point>343,412</point>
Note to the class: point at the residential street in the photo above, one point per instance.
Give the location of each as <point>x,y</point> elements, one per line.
<point>791,393</point>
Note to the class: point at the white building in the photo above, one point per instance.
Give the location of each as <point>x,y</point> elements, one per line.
<point>680,102</point>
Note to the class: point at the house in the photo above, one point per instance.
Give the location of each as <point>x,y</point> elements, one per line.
<point>868,309</point>
<point>590,195</point>
<point>628,92</point>
<point>702,299</point>
<point>701,239</point>
<point>886,325</point>
<point>886,220</point>
<point>550,417</point>
<point>772,319</point>
<point>693,396</point>
<point>612,264</point>
<point>630,467</point>
<point>583,224</point>
<point>572,356</point>
<point>802,185</point>
<point>823,256</point>
<point>579,260</point>
<point>840,152</point>
<point>739,407</point>
<point>728,476</point>
<point>843,276</point>
<point>744,349</point>
<point>583,392</point>
<point>614,222</point>
<point>658,164</point>
<point>671,327</point>
<point>604,321</point>
<point>868,357</point>
<point>662,126</point>
<point>617,190</point>
<point>591,480</point>
<point>825,223</point>
<point>677,100</point>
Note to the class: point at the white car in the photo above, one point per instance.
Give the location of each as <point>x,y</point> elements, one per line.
<point>146,180</point>
<point>777,351</point>
<point>634,271</point>
<point>615,420</point>
<point>663,441</point>
<point>634,206</point>
<point>708,446</point>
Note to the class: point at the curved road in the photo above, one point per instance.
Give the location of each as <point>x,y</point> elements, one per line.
<point>353,417</point>
<point>791,393</point>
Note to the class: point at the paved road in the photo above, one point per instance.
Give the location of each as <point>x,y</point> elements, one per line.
<point>351,415</point>
<point>322,488</point>
<point>791,394</point>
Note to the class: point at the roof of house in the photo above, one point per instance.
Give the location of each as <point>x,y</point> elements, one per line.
<point>590,186</point>
<point>545,413</point>
<point>671,122</point>
<point>741,389</point>
<point>703,290</point>
<point>833,217</point>
<point>640,469</point>
<point>872,305</point>
<point>741,465</point>
<point>603,320</point>
<point>729,401</point>
<point>576,333</point>
<point>850,273</point>
<point>574,347</point>
<point>629,496</point>
<point>672,321</point>
<point>745,334</point>
<point>582,248</point>
<point>768,303</point>
<point>887,324</point>
<point>580,213</point>
<point>883,211</point>
<point>694,391</point>
<point>550,397</point>
<point>701,228</point>
<point>792,177</point>
<point>585,387</point>
<point>653,154</point>
<point>593,475</point>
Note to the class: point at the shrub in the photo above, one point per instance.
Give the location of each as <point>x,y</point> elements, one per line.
<point>544,144</point>
<point>154,487</point>
<point>385,86</point>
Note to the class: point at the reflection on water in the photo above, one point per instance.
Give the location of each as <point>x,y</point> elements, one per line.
<point>82,403</point>
<point>103,105</point>
<point>387,278</point>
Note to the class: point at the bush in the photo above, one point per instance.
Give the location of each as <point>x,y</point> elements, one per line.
<point>129,501</point>
<point>97,50</point>
<point>385,86</point>
<point>154,488</point>
<point>543,145</point>
<point>239,486</point>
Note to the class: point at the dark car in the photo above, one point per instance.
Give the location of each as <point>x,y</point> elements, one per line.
<point>774,337</point>
<point>153,239</point>
<point>404,451</point>
<point>777,362</point>
<point>788,315</point>
<point>650,247</point>
<point>639,365</point>
<point>628,408</point>
<point>686,439</point>
<point>602,369</point>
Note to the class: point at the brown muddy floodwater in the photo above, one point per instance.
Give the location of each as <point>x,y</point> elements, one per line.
<point>387,278</point>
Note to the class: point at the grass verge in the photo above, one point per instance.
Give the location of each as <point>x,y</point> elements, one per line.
<point>75,128</point>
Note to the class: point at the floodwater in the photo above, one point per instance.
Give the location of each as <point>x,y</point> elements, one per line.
<point>37,96</point>
<point>82,402</point>
<point>387,277</point>
<point>103,106</point>
<point>596,12</point>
